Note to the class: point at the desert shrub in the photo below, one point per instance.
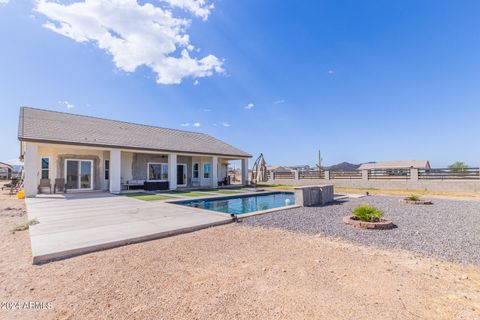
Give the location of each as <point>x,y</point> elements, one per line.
<point>367,213</point>
<point>24,226</point>
<point>413,198</point>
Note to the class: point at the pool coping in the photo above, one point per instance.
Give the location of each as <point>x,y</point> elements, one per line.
<point>231,215</point>
<point>223,196</point>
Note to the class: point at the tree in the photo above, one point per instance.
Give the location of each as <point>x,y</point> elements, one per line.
<point>458,166</point>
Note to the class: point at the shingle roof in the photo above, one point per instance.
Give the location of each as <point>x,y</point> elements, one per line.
<point>58,127</point>
<point>418,164</point>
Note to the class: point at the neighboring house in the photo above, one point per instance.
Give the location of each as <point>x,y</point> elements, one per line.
<point>279,169</point>
<point>6,171</point>
<point>98,154</point>
<point>399,164</point>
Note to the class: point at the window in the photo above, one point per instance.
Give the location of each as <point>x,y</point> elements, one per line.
<point>196,168</point>
<point>206,170</point>
<point>158,171</point>
<point>107,169</point>
<point>45,167</point>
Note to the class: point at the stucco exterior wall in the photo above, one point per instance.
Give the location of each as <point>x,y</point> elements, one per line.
<point>140,161</point>
<point>133,165</point>
<point>58,154</point>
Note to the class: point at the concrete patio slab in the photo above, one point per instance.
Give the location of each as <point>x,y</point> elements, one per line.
<point>81,223</point>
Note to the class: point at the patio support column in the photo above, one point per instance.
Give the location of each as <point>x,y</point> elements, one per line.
<point>214,172</point>
<point>31,163</point>
<point>115,171</point>
<point>172,171</point>
<point>245,171</point>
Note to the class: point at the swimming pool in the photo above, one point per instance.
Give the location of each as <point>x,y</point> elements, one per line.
<point>242,204</point>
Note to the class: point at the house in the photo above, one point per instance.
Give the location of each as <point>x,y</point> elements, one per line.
<point>6,171</point>
<point>91,153</point>
<point>399,164</point>
<point>278,169</point>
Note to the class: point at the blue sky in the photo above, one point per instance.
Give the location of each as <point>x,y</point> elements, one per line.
<point>360,80</point>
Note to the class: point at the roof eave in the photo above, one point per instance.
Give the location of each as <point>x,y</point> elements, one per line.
<point>23,139</point>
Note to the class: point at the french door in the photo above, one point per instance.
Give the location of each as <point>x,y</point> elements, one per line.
<point>181,174</point>
<point>79,174</point>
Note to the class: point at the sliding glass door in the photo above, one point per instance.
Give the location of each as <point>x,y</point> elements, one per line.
<point>79,174</point>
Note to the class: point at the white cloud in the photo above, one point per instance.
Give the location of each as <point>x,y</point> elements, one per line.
<point>197,7</point>
<point>249,106</point>
<point>136,34</point>
<point>331,71</point>
<point>225,124</point>
<point>67,104</point>
<point>3,2</point>
<point>279,101</point>
<point>207,110</point>
<point>185,124</point>
<point>197,124</point>
<point>196,82</point>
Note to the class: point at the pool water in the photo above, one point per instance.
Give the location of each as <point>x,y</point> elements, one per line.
<point>244,203</point>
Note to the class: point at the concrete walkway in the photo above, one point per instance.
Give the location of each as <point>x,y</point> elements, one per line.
<point>81,223</point>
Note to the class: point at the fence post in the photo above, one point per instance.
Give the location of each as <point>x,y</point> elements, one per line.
<point>414,174</point>
<point>365,174</point>
<point>297,175</point>
<point>326,174</point>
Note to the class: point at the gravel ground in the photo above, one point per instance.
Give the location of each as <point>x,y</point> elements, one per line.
<point>449,229</point>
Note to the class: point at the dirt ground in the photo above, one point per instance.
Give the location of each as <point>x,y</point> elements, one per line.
<point>232,272</point>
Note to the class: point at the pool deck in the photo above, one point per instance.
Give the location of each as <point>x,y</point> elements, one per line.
<point>76,224</point>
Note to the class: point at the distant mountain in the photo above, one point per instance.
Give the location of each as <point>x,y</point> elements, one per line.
<point>344,166</point>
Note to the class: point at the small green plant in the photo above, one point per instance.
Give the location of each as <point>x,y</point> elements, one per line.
<point>24,226</point>
<point>413,198</point>
<point>367,213</point>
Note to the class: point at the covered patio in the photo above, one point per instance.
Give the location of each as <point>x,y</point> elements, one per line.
<point>72,153</point>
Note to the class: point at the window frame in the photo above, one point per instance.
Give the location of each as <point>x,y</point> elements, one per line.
<point>47,169</point>
<point>163,175</point>
<point>209,170</point>
<point>106,169</point>
<point>198,170</point>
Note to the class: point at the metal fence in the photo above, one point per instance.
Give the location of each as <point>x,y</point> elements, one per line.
<point>311,175</point>
<point>346,174</point>
<point>389,173</point>
<point>385,174</point>
<point>448,173</point>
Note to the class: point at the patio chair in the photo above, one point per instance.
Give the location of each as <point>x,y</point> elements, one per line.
<point>44,183</point>
<point>60,185</point>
